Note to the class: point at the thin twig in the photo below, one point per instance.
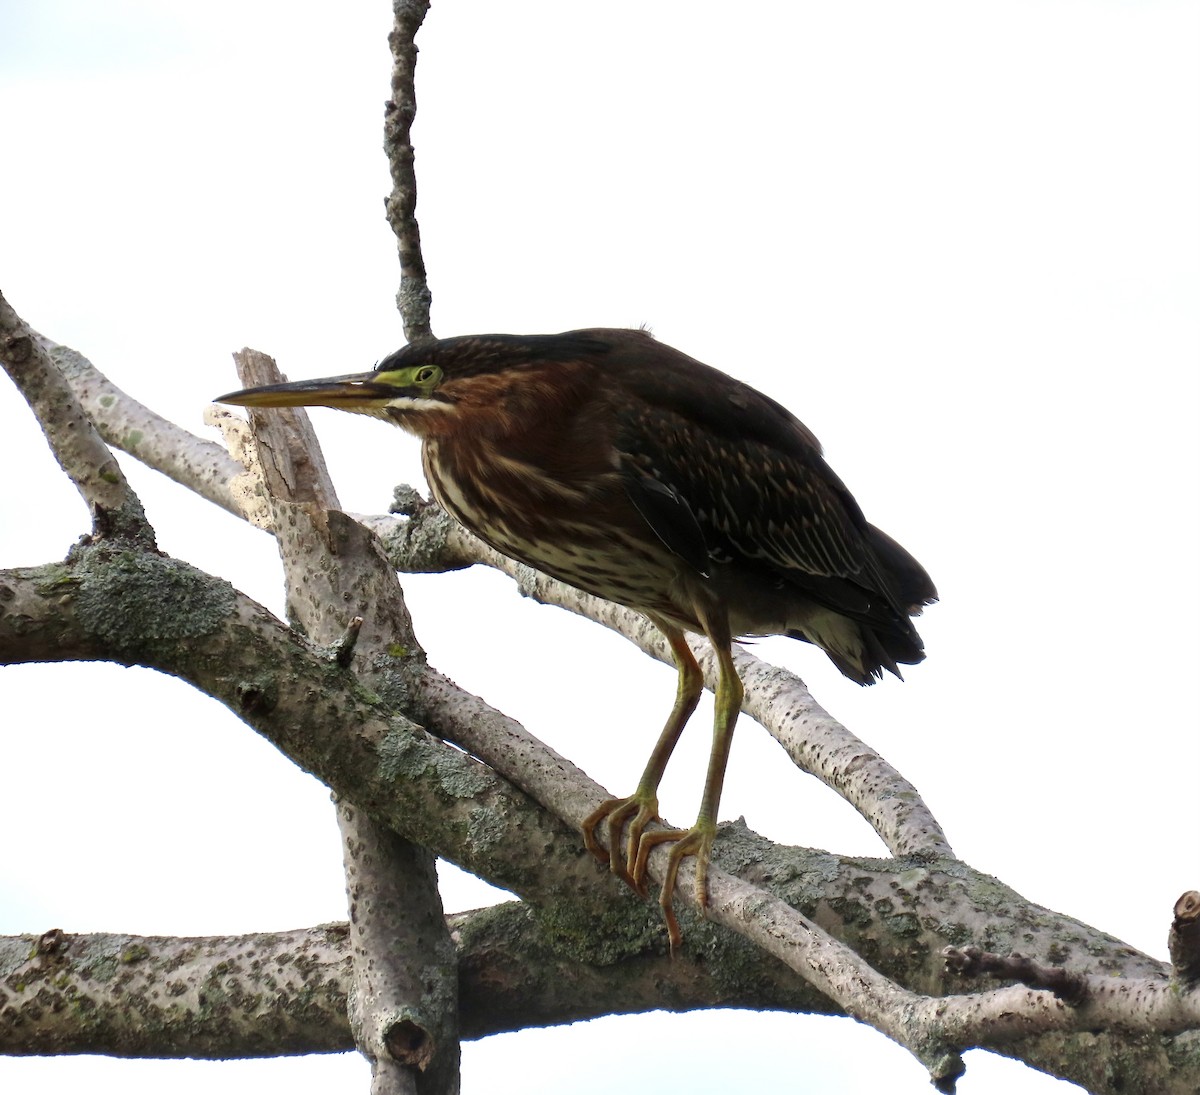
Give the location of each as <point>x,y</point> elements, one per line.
<point>413,298</point>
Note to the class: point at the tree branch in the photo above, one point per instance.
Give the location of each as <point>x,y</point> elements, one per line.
<point>404,1007</point>
<point>144,609</point>
<point>286,992</point>
<point>413,298</point>
<point>200,465</point>
<point>115,509</point>
<point>140,996</point>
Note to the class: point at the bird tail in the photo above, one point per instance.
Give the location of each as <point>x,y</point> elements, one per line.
<point>909,580</point>
<point>860,649</point>
<point>865,633</point>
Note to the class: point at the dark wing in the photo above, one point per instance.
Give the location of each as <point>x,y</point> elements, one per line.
<point>721,471</point>
<point>668,513</point>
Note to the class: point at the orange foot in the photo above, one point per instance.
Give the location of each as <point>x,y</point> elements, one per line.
<point>632,866</point>
<point>617,811</point>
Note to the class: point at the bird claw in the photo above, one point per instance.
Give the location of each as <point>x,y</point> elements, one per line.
<point>617,811</point>
<point>588,828</point>
<point>633,867</point>
<point>696,841</point>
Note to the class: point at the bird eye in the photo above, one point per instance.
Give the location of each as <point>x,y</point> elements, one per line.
<point>427,374</point>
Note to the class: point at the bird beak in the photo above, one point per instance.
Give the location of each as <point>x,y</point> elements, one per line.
<point>354,391</point>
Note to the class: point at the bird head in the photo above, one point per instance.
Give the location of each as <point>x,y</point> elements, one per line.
<point>428,387</point>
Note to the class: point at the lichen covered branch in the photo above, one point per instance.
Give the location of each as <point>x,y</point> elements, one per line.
<point>520,967</point>
<point>140,608</point>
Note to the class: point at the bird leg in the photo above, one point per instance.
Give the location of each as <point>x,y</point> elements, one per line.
<point>642,805</point>
<point>698,840</point>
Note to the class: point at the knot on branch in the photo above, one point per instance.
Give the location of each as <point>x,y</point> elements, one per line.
<point>1070,988</point>
<point>343,649</point>
<point>18,349</point>
<point>945,1072</point>
<point>402,114</point>
<point>1183,941</point>
<point>409,1043</point>
<point>50,944</point>
<point>126,522</point>
<point>407,501</point>
<point>257,697</point>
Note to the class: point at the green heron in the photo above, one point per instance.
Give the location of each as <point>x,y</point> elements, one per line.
<point>631,471</point>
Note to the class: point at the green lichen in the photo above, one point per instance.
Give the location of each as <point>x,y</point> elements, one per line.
<point>403,755</point>
<point>903,925</point>
<point>54,579</point>
<point>103,968</point>
<point>485,830</point>
<point>391,686</point>
<point>138,601</point>
<point>912,878</point>
<point>626,927</point>
<point>1057,954</point>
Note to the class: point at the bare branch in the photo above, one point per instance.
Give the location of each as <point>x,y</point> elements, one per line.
<point>138,996</point>
<point>287,451</point>
<point>404,1007</point>
<point>115,508</point>
<point>198,464</point>
<point>286,992</point>
<point>990,1019</point>
<point>414,297</point>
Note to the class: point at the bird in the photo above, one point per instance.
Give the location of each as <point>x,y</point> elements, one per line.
<point>631,471</point>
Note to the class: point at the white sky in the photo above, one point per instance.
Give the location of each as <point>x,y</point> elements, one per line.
<point>959,239</point>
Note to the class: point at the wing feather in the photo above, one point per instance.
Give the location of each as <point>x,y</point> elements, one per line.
<point>747,481</point>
